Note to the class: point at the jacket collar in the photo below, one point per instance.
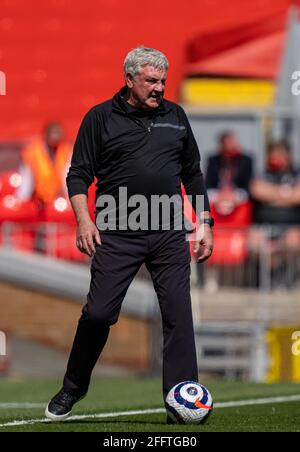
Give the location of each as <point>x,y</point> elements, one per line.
<point>123,107</point>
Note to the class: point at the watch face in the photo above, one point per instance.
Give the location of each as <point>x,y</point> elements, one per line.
<point>209,221</point>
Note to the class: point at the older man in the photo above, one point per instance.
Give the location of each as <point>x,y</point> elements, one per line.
<point>143,144</point>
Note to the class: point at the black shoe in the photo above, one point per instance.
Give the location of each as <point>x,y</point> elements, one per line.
<point>170,420</point>
<point>60,406</point>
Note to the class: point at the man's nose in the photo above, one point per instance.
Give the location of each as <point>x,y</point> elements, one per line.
<point>159,87</point>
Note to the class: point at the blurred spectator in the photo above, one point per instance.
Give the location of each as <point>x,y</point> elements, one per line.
<point>229,173</point>
<point>45,163</point>
<point>44,167</point>
<point>277,191</point>
<point>276,196</point>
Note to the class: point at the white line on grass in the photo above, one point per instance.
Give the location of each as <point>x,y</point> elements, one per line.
<point>265,401</point>
<point>20,405</point>
<point>233,404</point>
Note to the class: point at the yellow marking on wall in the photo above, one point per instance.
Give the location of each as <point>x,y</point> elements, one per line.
<point>284,364</point>
<point>209,92</point>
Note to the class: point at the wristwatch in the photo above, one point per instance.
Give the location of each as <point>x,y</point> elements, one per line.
<point>210,221</point>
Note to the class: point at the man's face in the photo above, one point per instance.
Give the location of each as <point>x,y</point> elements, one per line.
<point>147,88</point>
<point>54,135</point>
<point>279,159</point>
<point>230,143</point>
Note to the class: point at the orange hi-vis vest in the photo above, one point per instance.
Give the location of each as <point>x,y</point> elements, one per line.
<point>49,175</point>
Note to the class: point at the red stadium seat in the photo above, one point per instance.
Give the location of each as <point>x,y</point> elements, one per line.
<point>13,210</point>
<point>230,247</point>
<point>230,235</point>
<point>59,211</point>
<point>17,221</point>
<point>9,182</point>
<point>61,243</point>
<point>60,228</point>
<point>240,217</point>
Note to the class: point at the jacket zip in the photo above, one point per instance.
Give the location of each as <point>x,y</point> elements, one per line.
<point>142,125</point>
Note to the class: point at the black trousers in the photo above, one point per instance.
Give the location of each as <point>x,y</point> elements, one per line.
<point>116,261</point>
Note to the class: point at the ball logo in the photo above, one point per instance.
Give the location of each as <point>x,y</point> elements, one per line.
<point>199,404</point>
<point>2,84</point>
<point>192,391</point>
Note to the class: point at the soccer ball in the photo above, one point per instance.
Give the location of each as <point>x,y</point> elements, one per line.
<point>189,402</point>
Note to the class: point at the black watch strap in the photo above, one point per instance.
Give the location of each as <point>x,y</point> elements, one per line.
<point>209,221</point>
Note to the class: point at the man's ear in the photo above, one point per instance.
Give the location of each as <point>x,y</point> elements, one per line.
<point>129,80</point>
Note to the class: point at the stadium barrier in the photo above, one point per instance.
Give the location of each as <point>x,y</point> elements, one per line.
<point>237,336</point>
<point>261,257</point>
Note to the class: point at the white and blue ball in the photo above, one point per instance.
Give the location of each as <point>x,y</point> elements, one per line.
<point>189,402</point>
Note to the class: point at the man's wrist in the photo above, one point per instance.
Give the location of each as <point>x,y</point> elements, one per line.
<point>84,220</point>
<point>207,221</point>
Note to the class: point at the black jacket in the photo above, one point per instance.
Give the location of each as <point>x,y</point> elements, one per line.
<point>148,153</point>
<point>266,213</point>
<point>241,169</point>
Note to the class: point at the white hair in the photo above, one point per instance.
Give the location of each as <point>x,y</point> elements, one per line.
<point>144,56</point>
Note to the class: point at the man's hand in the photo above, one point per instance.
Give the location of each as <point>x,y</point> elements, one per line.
<point>204,243</point>
<point>87,234</point>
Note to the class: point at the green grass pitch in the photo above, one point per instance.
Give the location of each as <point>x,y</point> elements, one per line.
<point>108,395</point>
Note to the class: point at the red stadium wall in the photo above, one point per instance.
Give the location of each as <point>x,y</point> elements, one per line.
<point>60,57</point>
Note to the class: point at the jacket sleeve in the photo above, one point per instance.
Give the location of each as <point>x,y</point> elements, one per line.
<point>191,174</point>
<point>86,150</point>
<point>248,173</point>
<point>212,177</point>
